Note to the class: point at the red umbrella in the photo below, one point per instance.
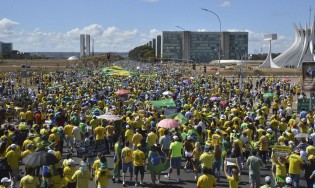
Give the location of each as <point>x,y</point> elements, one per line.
<point>168,123</point>
<point>122,92</point>
<point>286,80</point>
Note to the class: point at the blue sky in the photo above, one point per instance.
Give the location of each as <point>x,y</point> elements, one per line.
<point>120,25</point>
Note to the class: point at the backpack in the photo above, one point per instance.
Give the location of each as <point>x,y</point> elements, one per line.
<point>155,158</point>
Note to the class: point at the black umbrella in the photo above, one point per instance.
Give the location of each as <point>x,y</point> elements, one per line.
<point>40,158</point>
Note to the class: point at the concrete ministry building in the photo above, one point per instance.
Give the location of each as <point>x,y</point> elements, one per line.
<point>201,47</point>
<point>5,48</point>
<point>85,46</point>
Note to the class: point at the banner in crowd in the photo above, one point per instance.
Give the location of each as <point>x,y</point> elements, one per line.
<point>281,150</point>
<point>90,149</point>
<point>308,73</point>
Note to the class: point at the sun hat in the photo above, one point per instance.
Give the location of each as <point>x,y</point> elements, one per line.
<point>5,180</point>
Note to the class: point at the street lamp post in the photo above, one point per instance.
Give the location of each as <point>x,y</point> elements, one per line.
<point>204,9</point>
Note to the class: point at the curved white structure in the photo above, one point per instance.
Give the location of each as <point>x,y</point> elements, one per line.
<point>268,63</point>
<point>301,50</point>
<point>73,58</point>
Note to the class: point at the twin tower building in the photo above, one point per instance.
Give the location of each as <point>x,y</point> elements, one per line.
<point>85,45</point>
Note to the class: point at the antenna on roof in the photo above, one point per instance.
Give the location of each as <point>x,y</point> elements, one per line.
<point>310,14</point>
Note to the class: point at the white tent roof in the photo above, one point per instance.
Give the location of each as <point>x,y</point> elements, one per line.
<point>73,58</point>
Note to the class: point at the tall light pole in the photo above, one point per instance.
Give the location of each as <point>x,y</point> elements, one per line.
<point>204,9</point>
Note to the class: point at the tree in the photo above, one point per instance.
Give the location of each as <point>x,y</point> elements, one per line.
<point>142,52</point>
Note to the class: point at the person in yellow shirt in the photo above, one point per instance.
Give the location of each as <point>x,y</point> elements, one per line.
<point>29,180</point>
<point>216,137</point>
<point>58,181</point>
<point>138,161</point>
<point>129,134</point>
<point>109,131</point>
<point>206,180</point>
<point>126,156</point>
<point>281,171</point>
<point>13,157</point>
<point>82,176</point>
<point>152,139</point>
<point>102,176</point>
<point>99,131</point>
<point>295,163</point>
<point>137,138</point>
<point>206,159</point>
<point>69,136</point>
<point>68,172</point>
<point>263,146</point>
<point>235,178</point>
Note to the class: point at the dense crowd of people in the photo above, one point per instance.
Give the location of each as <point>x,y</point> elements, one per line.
<point>225,126</point>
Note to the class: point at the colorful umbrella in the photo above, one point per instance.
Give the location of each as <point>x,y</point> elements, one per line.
<point>168,123</point>
<point>122,92</point>
<point>302,135</point>
<point>286,80</point>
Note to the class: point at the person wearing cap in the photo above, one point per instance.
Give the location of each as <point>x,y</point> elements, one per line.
<point>216,137</point>
<point>126,156</point>
<point>13,156</point>
<point>82,176</point>
<point>267,183</point>
<point>254,163</point>
<point>206,159</point>
<point>138,162</point>
<point>295,163</point>
<point>102,176</point>
<point>68,171</point>
<point>176,148</point>
<point>129,134</point>
<point>29,180</point>
<point>5,182</point>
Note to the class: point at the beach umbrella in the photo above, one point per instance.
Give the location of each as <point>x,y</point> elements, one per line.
<point>167,93</point>
<point>122,92</point>
<point>302,135</point>
<point>40,158</point>
<point>286,79</point>
<point>168,123</point>
<point>109,117</point>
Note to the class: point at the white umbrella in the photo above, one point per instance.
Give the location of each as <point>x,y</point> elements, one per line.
<point>167,93</point>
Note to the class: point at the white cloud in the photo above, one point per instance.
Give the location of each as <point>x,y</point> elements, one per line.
<point>225,4</point>
<point>7,26</point>
<point>257,44</point>
<point>201,30</point>
<point>105,38</point>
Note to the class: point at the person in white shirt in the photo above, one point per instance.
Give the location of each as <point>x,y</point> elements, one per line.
<point>76,134</point>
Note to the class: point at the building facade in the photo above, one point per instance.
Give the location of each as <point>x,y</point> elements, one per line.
<point>158,46</point>
<point>203,47</point>
<point>82,45</point>
<point>5,48</point>
<point>87,45</point>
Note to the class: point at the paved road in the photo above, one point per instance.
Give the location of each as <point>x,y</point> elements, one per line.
<point>188,178</point>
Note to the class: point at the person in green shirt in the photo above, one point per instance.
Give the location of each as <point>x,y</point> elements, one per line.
<point>176,153</point>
